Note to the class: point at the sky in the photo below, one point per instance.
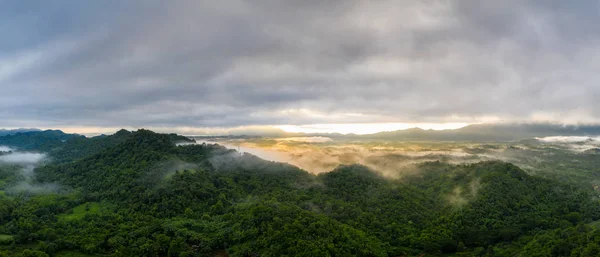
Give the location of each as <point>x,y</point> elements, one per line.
<point>212,65</point>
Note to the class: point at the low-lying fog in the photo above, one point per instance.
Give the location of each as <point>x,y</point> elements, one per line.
<point>22,158</point>
<point>577,143</point>
<point>24,163</point>
<point>322,154</point>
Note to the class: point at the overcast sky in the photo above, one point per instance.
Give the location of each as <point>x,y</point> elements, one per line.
<point>239,63</point>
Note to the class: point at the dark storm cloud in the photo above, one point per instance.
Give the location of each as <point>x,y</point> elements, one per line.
<point>230,63</point>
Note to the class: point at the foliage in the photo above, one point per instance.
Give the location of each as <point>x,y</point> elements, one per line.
<point>139,194</point>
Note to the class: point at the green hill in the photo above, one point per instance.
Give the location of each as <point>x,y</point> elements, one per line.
<point>140,194</point>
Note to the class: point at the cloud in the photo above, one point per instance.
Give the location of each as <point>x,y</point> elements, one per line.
<point>239,63</point>
<point>576,143</point>
<point>567,139</point>
<point>317,156</point>
<point>30,188</point>
<point>22,158</point>
<point>27,162</point>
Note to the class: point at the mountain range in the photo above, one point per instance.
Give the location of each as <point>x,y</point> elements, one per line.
<point>474,132</point>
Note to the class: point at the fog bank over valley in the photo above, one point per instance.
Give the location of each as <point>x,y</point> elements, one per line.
<point>22,158</point>
<point>394,159</point>
<point>19,168</point>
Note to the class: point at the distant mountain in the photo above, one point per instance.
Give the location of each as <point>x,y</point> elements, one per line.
<point>476,132</point>
<point>6,132</point>
<point>485,132</point>
<point>37,140</point>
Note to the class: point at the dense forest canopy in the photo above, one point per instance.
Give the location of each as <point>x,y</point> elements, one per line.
<point>143,194</point>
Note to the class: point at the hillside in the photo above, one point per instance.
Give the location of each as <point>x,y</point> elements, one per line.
<point>140,194</point>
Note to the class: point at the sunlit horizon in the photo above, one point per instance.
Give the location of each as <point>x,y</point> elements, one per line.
<point>366,128</point>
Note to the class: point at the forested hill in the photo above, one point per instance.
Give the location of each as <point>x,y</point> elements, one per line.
<point>68,147</point>
<point>37,140</point>
<point>140,194</point>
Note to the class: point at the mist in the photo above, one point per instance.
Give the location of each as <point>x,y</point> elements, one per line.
<point>27,186</point>
<point>398,160</point>
<point>567,139</point>
<point>574,143</point>
<point>22,158</point>
<point>168,168</point>
<point>242,147</point>
<point>323,155</point>
<point>26,163</point>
